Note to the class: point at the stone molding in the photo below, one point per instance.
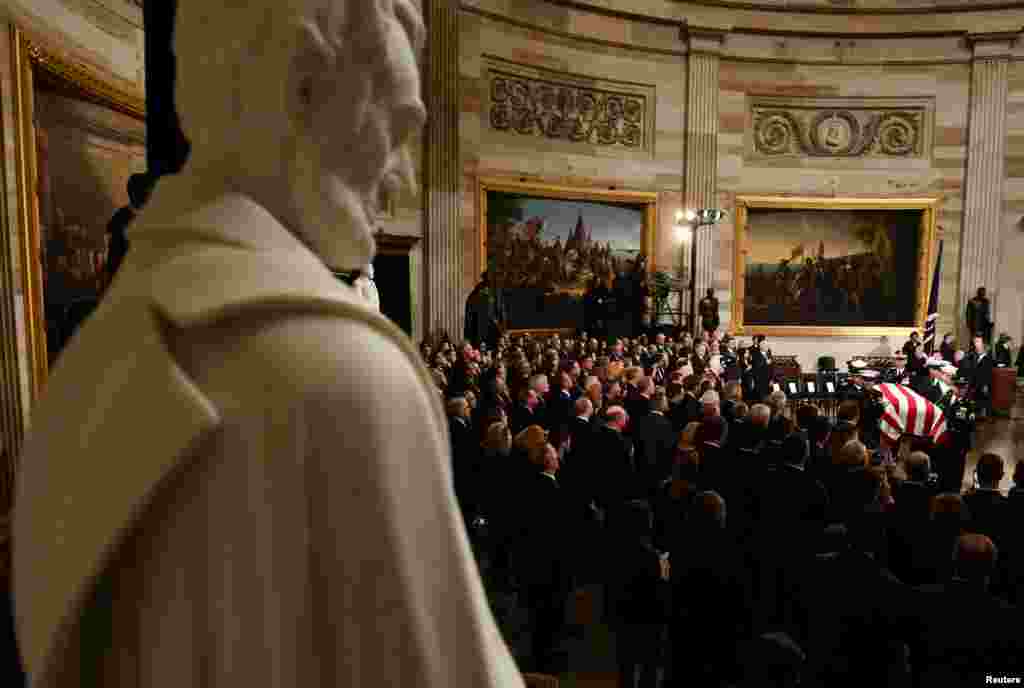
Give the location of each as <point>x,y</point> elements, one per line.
<point>840,128</point>
<point>546,104</point>
<point>702,39</point>
<point>992,46</point>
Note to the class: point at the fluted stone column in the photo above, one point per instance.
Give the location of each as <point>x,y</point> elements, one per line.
<point>986,153</point>
<point>700,163</point>
<point>443,240</point>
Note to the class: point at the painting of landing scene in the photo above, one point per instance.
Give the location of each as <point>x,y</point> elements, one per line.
<point>546,253</point>
<point>831,267</point>
<point>85,153</point>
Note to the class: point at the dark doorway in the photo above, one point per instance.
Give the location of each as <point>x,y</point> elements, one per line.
<point>391,274</point>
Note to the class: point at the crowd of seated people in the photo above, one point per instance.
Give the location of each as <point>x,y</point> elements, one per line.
<point>738,541</point>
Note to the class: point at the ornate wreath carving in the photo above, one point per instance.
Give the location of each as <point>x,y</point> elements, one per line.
<point>838,132</point>
<point>534,107</point>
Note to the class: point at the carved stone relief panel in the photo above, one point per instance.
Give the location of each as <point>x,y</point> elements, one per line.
<point>557,106</point>
<point>839,127</point>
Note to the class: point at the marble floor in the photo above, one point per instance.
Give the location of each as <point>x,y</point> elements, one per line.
<point>1003,435</point>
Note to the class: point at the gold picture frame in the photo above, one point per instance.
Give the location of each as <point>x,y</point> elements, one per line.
<point>540,189</point>
<point>518,185</point>
<point>928,205</point>
<point>35,66</point>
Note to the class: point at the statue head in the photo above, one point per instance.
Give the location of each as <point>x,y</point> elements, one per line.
<point>305,106</point>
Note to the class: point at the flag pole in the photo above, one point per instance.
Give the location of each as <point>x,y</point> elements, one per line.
<point>933,305</point>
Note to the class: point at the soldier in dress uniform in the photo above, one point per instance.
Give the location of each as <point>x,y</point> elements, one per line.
<point>979,316</point>
<point>855,387</point>
<point>708,310</point>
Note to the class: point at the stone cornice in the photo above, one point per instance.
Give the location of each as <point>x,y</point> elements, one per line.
<point>773,44</point>
<point>703,39</point>
<point>803,18</point>
<point>863,7</point>
<point>992,46</point>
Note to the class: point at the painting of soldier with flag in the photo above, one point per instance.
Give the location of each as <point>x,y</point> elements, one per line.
<point>833,266</point>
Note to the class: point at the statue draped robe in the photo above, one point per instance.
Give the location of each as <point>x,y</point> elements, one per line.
<point>239,475</point>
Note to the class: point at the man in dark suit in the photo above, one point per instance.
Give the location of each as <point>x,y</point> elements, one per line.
<point>655,442</point>
<point>979,316</point>
<point>465,456</point>
<point>858,615</point>
<point>788,518</point>
<point>637,606</point>
<point>638,404</point>
<point>613,455</point>
<point>540,384</point>
<point>911,513</point>
<point>986,504</point>
<point>524,413</point>
<point>688,409</point>
<point>580,426</point>
<point>761,367</point>
<point>979,365</point>
<point>911,345</point>
<point>711,598</point>
<point>482,315</point>
<point>963,630</point>
<point>545,569</point>
<point>560,402</point>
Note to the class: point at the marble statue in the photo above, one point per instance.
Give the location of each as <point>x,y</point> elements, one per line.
<point>367,288</point>
<point>239,474</point>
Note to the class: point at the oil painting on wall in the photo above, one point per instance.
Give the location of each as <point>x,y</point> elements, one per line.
<point>560,245</point>
<point>833,267</point>
<point>85,154</point>
<point>546,253</point>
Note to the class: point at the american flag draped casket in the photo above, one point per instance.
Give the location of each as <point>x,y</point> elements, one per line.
<point>909,413</point>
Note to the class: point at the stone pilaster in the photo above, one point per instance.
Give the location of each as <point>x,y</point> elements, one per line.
<point>700,163</point>
<point>443,249</point>
<point>986,153</point>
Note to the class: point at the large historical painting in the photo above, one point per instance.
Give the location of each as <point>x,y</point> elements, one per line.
<point>833,267</point>
<point>78,139</point>
<point>546,251</point>
<point>85,154</point>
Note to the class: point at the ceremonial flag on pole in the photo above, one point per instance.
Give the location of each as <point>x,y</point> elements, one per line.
<point>933,306</point>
